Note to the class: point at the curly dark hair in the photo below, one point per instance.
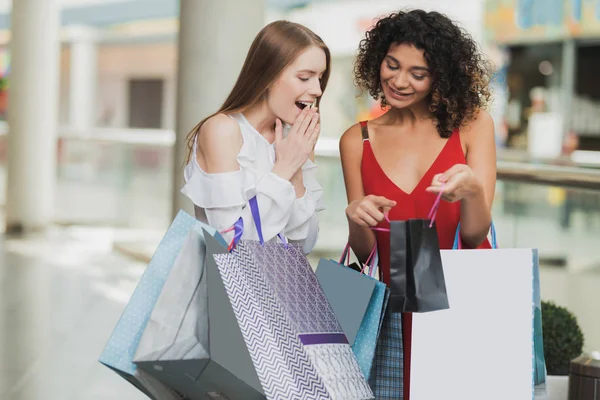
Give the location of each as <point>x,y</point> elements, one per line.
<point>460,73</point>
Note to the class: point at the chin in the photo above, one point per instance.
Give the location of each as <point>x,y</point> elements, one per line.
<point>288,121</point>
<point>399,103</point>
<point>409,103</point>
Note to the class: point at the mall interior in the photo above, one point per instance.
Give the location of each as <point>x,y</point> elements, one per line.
<point>96,100</point>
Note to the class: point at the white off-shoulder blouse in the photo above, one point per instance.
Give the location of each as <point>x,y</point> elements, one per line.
<point>220,199</point>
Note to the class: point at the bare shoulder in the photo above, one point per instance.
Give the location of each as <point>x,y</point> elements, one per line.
<point>479,129</point>
<point>351,141</point>
<point>219,130</point>
<point>483,123</point>
<point>219,142</point>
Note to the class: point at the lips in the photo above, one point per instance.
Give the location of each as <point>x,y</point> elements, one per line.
<point>399,95</point>
<point>303,104</point>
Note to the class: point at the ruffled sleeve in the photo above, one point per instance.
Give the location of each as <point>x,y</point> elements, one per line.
<point>303,224</point>
<point>224,196</point>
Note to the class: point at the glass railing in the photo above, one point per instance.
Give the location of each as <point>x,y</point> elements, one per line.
<point>125,180</point>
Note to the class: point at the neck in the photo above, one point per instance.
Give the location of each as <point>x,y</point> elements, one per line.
<point>414,114</point>
<point>261,118</point>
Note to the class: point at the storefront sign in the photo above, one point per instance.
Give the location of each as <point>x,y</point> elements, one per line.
<point>522,21</point>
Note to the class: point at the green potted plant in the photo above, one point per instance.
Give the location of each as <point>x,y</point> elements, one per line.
<point>563,341</point>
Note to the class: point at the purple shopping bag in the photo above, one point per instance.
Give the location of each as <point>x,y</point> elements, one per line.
<point>294,339</point>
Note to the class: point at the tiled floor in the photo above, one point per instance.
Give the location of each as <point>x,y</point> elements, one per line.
<point>60,297</point>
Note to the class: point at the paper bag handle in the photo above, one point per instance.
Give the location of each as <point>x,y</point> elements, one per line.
<point>238,227</point>
<point>458,242</point>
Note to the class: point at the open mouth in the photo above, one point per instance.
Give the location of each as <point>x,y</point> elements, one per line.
<point>303,104</point>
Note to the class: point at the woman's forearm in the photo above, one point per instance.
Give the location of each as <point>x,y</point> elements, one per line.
<point>361,240</point>
<point>475,217</point>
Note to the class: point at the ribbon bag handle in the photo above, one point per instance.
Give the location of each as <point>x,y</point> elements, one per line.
<point>370,261</point>
<point>256,217</point>
<point>436,205</point>
<point>345,258</point>
<point>458,242</point>
<point>238,227</point>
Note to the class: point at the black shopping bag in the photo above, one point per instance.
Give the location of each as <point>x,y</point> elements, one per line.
<point>416,274</point>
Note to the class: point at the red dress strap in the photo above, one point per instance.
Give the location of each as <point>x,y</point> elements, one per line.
<point>364,130</point>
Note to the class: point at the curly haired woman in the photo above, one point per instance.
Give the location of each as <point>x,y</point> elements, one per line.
<point>435,137</point>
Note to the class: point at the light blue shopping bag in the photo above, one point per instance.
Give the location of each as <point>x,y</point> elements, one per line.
<point>366,339</point>
<point>539,360</point>
<point>124,341</point>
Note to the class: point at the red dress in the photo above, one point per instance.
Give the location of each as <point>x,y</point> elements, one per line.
<point>414,205</point>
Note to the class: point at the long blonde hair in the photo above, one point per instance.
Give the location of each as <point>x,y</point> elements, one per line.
<point>276,46</point>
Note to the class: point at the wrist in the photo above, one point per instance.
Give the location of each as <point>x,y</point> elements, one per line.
<point>296,179</point>
<point>475,189</point>
<point>283,172</point>
<point>300,191</point>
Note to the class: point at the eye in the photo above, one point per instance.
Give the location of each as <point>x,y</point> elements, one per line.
<point>303,79</point>
<point>419,77</point>
<point>392,67</point>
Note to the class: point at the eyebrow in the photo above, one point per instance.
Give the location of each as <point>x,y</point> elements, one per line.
<point>308,71</point>
<point>416,67</point>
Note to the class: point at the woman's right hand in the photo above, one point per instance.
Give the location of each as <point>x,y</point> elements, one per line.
<point>293,150</point>
<point>369,211</point>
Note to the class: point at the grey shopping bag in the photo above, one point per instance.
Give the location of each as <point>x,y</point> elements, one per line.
<point>192,342</point>
<point>349,293</point>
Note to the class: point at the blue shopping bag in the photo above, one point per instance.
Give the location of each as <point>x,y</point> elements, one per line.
<point>539,361</point>
<point>123,343</point>
<point>366,339</point>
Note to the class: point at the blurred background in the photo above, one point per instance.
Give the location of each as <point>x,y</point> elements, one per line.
<point>111,88</point>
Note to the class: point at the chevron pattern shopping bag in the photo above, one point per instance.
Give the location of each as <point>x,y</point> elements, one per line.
<point>295,341</point>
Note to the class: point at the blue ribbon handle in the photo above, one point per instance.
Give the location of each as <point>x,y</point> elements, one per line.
<point>457,237</point>
<point>256,216</point>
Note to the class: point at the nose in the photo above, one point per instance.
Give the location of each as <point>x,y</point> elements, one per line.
<point>315,88</point>
<point>400,80</point>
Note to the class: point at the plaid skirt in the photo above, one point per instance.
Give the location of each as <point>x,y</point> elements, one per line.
<point>387,373</point>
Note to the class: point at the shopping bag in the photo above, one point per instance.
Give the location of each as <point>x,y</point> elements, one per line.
<point>348,292</point>
<point>295,341</point>
<point>192,341</point>
<point>123,342</point>
<point>538,338</point>
<point>416,274</point>
<point>482,346</point>
<point>365,345</point>
<point>359,302</point>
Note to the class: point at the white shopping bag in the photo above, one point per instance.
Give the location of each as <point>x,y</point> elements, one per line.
<point>482,346</point>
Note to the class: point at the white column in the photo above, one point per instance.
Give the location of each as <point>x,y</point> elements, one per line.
<point>32,114</point>
<point>214,38</point>
<point>83,76</point>
<point>568,75</point>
